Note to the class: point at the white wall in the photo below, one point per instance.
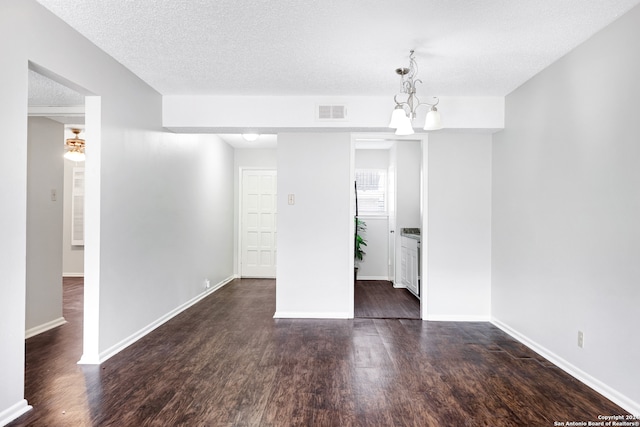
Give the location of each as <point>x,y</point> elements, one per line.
<point>268,114</point>
<point>566,203</point>
<point>458,265</point>
<point>375,264</point>
<point>372,158</point>
<point>409,164</point>
<point>44,225</point>
<point>13,216</point>
<point>175,232</point>
<point>315,240</point>
<point>160,217</point>
<point>247,158</point>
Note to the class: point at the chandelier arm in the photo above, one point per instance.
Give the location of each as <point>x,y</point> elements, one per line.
<point>407,86</point>
<point>395,99</point>
<point>429,103</point>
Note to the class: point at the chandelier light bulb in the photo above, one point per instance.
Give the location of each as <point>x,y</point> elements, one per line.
<point>405,127</point>
<point>74,155</point>
<point>397,116</point>
<point>433,121</point>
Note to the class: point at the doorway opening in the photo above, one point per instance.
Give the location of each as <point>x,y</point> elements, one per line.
<point>388,176</point>
<point>56,260</point>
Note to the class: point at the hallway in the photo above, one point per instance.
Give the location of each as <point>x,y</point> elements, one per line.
<point>227,362</point>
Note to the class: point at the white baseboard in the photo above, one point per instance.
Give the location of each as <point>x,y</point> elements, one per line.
<point>311,315</point>
<point>13,412</point>
<point>89,360</point>
<point>104,355</point>
<point>457,318</point>
<point>608,392</point>
<point>72,274</point>
<point>32,332</point>
<point>399,286</point>
<point>386,278</point>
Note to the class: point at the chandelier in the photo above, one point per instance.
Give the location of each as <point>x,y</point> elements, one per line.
<point>405,110</point>
<point>75,147</point>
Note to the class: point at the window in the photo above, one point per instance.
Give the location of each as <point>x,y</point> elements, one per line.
<point>77,208</point>
<point>372,191</point>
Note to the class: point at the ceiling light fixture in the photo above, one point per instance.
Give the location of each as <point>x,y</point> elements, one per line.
<point>405,111</point>
<point>75,147</point>
<point>250,136</point>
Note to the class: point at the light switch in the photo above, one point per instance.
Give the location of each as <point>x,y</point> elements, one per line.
<point>292,199</point>
<point>54,196</point>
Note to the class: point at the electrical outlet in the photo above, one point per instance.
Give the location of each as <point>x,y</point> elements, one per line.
<point>580,339</point>
<point>207,283</point>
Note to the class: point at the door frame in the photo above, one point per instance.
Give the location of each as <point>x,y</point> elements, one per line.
<point>424,211</point>
<point>239,227</point>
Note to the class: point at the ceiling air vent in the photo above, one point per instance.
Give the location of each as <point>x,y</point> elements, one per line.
<point>332,112</point>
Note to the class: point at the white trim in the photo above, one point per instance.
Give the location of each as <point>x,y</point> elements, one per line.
<point>608,392</point>
<point>14,411</point>
<point>458,318</point>
<point>89,360</point>
<point>424,242</point>
<point>311,315</point>
<point>385,278</point>
<point>31,332</point>
<point>239,228</point>
<point>73,274</point>
<point>104,355</point>
<point>52,111</point>
<point>92,231</point>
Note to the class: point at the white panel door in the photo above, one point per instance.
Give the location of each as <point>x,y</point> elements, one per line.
<point>258,227</point>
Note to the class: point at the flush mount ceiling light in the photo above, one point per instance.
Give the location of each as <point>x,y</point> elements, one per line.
<point>405,111</point>
<point>250,136</point>
<point>75,147</point>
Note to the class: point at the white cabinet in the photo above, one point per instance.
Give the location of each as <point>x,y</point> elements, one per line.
<point>409,265</point>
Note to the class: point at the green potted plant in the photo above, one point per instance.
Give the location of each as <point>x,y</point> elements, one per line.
<point>360,227</point>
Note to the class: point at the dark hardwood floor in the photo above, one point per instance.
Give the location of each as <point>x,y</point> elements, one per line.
<point>227,362</point>
<point>378,299</point>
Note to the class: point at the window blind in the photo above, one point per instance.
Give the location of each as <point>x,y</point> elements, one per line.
<point>77,207</point>
<point>372,190</point>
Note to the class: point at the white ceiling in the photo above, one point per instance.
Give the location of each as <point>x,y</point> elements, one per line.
<point>45,92</point>
<point>328,47</point>
<point>336,47</point>
<point>46,97</point>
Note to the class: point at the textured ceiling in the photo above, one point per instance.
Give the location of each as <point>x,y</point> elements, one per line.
<point>336,47</point>
<point>45,92</point>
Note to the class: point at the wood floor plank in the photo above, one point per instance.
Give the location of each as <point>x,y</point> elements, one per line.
<point>379,299</point>
<point>227,362</point>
